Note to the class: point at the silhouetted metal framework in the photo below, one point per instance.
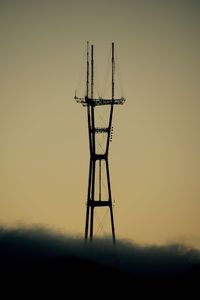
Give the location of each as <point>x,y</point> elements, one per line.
<point>91,103</point>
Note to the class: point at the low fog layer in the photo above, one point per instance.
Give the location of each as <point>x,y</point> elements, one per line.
<point>40,256</point>
<point>39,243</point>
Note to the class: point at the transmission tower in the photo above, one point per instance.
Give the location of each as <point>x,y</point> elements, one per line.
<point>96,159</point>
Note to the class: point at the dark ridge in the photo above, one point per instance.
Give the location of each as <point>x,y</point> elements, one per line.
<point>74,275</point>
<point>39,264</point>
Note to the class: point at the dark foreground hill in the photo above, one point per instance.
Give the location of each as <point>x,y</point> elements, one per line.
<point>36,263</point>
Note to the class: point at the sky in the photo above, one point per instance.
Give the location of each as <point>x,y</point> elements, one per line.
<point>154,155</point>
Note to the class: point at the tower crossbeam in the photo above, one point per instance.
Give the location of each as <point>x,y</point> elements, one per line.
<point>100,129</point>
<point>99,101</point>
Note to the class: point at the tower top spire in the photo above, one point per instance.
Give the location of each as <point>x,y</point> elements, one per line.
<point>90,100</point>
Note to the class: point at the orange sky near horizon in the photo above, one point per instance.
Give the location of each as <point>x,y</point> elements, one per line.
<point>154,155</point>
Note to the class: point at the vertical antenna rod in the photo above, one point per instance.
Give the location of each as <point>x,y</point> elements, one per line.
<point>87,81</point>
<point>92,71</point>
<point>113,71</point>
<point>113,94</point>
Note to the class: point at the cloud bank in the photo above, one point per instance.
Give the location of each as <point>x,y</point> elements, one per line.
<point>39,259</point>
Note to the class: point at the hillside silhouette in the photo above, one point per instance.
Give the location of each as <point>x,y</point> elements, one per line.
<point>36,262</point>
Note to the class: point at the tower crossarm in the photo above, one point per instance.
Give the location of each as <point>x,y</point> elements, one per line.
<point>99,101</point>
<point>95,203</point>
<point>100,129</point>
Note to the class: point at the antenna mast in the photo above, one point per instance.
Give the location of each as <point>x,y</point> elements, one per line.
<point>92,103</point>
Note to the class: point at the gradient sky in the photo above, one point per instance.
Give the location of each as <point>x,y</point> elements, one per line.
<point>154,157</point>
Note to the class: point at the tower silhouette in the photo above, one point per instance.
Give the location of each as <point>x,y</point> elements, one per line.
<point>94,199</point>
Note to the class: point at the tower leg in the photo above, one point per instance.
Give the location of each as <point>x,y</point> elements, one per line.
<point>87,221</point>
<point>93,166</point>
<point>112,223</point>
<point>110,200</point>
<point>88,198</point>
<point>91,222</point>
